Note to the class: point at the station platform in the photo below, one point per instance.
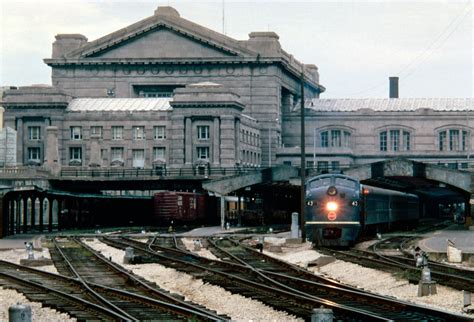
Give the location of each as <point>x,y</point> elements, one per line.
<point>18,241</point>
<point>436,243</point>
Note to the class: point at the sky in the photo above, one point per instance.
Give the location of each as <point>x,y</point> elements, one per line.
<point>356,44</point>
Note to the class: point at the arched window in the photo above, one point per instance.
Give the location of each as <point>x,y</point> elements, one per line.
<point>395,139</point>
<point>335,138</point>
<point>453,139</point>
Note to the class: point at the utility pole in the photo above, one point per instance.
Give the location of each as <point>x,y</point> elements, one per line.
<point>303,162</point>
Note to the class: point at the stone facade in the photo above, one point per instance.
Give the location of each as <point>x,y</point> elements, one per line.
<point>201,125</point>
<point>229,103</point>
<point>163,52</point>
<point>7,147</point>
<point>345,132</point>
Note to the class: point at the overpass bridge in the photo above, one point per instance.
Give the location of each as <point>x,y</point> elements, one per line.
<point>21,187</point>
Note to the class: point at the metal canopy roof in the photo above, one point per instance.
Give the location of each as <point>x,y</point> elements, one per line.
<point>119,104</point>
<point>420,186</point>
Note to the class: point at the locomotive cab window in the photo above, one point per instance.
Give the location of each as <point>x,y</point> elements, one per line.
<point>346,182</point>
<point>320,182</point>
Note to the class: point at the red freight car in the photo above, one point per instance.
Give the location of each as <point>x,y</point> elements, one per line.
<point>179,207</point>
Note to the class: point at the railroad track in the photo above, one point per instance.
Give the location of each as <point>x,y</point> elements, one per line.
<point>59,292</point>
<point>295,295</point>
<point>458,278</point>
<point>388,255</point>
<point>119,289</point>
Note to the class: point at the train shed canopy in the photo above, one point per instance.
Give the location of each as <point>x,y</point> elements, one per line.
<point>414,177</point>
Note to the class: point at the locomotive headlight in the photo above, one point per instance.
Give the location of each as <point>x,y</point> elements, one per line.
<point>331,206</point>
<point>355,203</point>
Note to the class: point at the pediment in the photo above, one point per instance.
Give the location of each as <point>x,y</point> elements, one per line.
<point>159,43</point>
<point>162,36</point>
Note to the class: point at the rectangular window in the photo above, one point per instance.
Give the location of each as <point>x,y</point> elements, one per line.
<point>394,140</point>
<point>406,141</point>
<point>116,154</point>
<point>34,133</point>
<point>323,165</point>
<point>75,154</point>
<point>324,139</point>
<point>453,140</point>
<point>138,158</point>
<point>335,165</point>
<point>336,138</point>
<point>159,132</point>
<point>96,131</point>
<point>203,132</point>
<point>442,141</point>
<point>117,132</point>
<point>286,162</point>
<point>383,141</point>
<point>76,133</point>
<point>34,154</point>
<point>309,164</point>
<point>159,153</point>
<point>138,132</point>
<point>203,153</point>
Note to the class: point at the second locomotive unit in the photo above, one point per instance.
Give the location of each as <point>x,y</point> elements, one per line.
<point>339,209</point>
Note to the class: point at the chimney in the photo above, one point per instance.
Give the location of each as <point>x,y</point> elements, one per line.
<point>393,87</point>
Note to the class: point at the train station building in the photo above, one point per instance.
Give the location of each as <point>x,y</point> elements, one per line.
<point>167,94</point>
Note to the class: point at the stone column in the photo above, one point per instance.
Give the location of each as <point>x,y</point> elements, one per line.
<point>222,211</point>
<point>94,159</point>
<point>215,143</point>
<point>60,208</point>
<point>25,214</point>
<point>177,142</point>
<point>188,144</point>
<point>40,215</point>
<point>18,215</point>
<point>237,140</point>
<point>50,215</point>
<point>20,141</point>
<point>33,212</point>
<point>12,217</point>
<point>239,209</point>
<point>227,141</point>
<point>51,156</point>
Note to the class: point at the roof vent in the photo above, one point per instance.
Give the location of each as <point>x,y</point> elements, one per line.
<point>166,11</point>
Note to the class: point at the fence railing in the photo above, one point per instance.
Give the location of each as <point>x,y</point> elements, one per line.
<point>197,172</point>
<point>23,172</point>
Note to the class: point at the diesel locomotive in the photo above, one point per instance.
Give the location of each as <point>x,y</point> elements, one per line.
<point>339,210</point>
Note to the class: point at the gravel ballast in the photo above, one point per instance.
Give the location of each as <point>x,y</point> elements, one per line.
<point>215,298</point>
<point>11,297</point>
<point>238,307</point>
<point>372,280</point>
